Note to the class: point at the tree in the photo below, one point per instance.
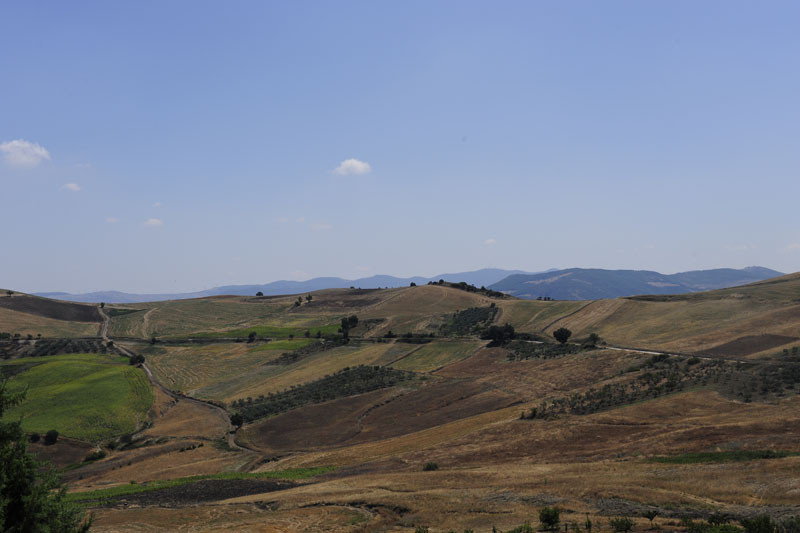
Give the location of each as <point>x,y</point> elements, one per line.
<point>31,497</point>
<point>51,437</point>
<point>412,284</point>
<point>499,335</point>
<point>562,335</point>
<point>102,305</point>
<point>259,293</point>
<point>550,518</point>
<point>237,420</point>
<point>251,337</point>
<point>309,297</point>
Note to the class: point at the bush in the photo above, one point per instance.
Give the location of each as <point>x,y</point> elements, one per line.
<point>760,524</point>
<point>51,437</point>
<point>550,518</point>
<point>562,335</point>
<point>430,466</point>
<point>34,437</point>
<point>621,524</point>
<point>94,456</point>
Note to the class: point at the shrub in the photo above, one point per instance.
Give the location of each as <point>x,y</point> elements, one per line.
<point>51,437</point>
<point>562,335</point>
<point>759,524</point>
<point>430,466</point>
<point>550,518</point>
<point>621,524</point>
<point>94,456</point>
<point>524,528</point>
<point>34,437</point>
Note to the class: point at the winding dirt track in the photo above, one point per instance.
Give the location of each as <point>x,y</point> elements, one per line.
<point>215,409</point>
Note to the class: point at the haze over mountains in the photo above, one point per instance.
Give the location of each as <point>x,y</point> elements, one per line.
<point>567,284</point>
<point>594,284</point>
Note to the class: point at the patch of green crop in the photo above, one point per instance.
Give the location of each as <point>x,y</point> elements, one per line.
<point>83,396</point>
<point>723,457</point>
<point>113,493</point>
<point>270,331</point>
<point>285,345</point>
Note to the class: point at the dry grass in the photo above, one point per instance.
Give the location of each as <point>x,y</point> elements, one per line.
<point>27,324</point>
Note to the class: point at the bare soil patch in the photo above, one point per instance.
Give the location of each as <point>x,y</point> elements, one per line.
<point>207,490</point>
<point>749,345</point>
<point>71,312</point>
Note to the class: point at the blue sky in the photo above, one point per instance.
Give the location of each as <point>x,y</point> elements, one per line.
<point>175,146</point>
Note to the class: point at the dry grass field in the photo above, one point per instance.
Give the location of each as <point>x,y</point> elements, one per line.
<point>462,411</point>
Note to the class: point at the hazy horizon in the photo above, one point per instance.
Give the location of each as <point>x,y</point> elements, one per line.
<point>166,148</point>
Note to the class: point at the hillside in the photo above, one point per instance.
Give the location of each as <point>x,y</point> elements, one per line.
<point>483,277</point>
<point>336,431</point>
<point>595,284</point>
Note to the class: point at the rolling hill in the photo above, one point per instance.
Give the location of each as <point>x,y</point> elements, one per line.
<point>594,283</point>
<point>483,277</point>
<point>599,431</point>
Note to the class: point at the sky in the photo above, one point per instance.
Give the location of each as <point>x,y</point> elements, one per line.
<point>176,146</point>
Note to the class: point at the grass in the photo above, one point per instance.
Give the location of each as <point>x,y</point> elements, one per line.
<point>84,396</point>
<point>26,324</point>
<point>285,345</point>
<point>436,355</point>
<point>723,457</point>
<point>113,493</point>
<point>270,331</point>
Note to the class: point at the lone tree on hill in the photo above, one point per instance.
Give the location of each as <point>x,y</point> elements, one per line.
<point>562,335</point>
<point>309,297</point>
<point>31,497</point>
<point>259,293</point>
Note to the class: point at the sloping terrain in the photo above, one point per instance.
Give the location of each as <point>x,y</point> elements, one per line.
<point>508,428</point>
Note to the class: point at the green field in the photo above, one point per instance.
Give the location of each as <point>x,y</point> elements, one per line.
<point>436,355</point>
<point>84,396</point>
<point>270,331</point>
<point>284,345</point>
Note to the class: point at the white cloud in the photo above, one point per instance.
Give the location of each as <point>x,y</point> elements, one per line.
<point>153,222</point>
<point>298,275</point>
<point>21,153</point>
<point>157,204</point>
<point>112,220</point>
<point>301,220</point>
<point>794,247</point>
<point>321,227</point>
<point>490,242</point>
<point>353,166</point>
<point>74,187</point>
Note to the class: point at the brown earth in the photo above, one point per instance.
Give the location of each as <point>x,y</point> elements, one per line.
<point>749,345</point>
<point>373,416</point>
<point>68,311</point>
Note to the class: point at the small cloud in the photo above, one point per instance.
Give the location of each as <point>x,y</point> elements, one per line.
<point>490,242</point>
<point>157,204</point>
<point>281,220</point>
<point>74,187</point>
<point>112,220</point>
<point>794,247</point>
<point>352,166</point>
<point>153,223</point>
<point>83,165</point>
<point>649,246</point>
<point>321,227</point>
<point>21,153</point>
<point>298,275</point>
<point>362,269</point>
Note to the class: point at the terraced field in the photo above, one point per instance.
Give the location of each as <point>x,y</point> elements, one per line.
<point>85,396</point>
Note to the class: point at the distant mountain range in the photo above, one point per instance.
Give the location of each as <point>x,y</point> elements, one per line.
<point>483,277</point>
<point>594,283</point>
<point>569,284</point>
